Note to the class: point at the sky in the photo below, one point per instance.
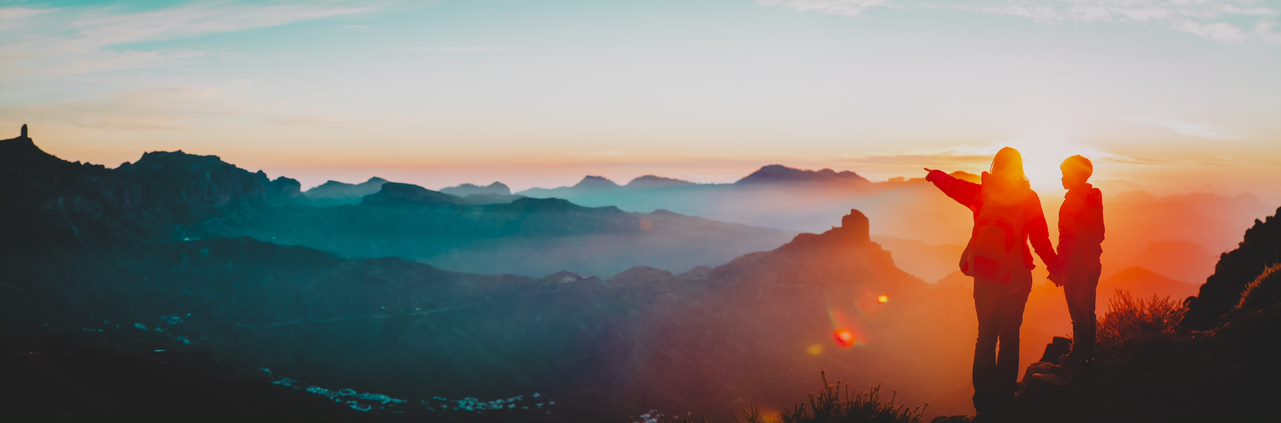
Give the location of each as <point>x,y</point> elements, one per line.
<point>1165,95</point>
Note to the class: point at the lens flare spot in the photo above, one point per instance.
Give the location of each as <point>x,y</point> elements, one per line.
<point>769,415</point>
<point>883,299</point>
<point>844,338</point>
<point>814,349</point>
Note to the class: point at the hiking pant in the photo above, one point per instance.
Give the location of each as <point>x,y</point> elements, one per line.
<point>1081,289</point>
<point>999,306</point>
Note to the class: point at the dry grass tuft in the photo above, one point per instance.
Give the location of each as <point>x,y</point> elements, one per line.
<point>1130,318</point>
<point>838,403</point>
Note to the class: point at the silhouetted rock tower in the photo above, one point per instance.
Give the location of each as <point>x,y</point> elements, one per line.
<point>23,134</point>
<point>856,226</point>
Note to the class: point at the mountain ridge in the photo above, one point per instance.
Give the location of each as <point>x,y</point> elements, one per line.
<point>777,173</point>
<point>176,196</point>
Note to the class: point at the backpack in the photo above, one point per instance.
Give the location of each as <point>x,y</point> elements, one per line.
<point>995,248</point>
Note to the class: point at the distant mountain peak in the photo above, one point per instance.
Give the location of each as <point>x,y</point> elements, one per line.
<point>395,193</point>
<point>463,190</point>
<point>332,184</point>
<point>640,275</point>
<point>777,173</point>
<point>655,181</point>
<point>595,182</point>
<point>374,180</point>
<point>342,192</point>
<point>179,155</point>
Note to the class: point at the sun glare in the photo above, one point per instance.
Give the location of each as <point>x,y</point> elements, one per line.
<point>844,338</point>
<point>1042,157</point>
<point>1042,165</point>
<point>1042,151</point>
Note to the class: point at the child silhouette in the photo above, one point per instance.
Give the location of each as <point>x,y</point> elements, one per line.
<point>1080,249</point>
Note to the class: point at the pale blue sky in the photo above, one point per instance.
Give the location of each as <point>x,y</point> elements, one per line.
<point>542,92</point>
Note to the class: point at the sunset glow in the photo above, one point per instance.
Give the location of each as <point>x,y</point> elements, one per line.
<point>899,211</point>
<point>425,93</point>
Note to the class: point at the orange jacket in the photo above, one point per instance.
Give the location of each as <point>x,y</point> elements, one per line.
<point>1032,227</point>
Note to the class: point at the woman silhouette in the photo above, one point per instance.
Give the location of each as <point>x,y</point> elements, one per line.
<point>1007,215</point>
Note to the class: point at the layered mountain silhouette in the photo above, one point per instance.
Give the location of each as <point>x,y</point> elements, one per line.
<point>1178,236</point>
<point>334,192</point>
<point>526,236</point>
<point>409,332</point>
<point>187,272</point>
<point>174,195</point>
<point>777,176</point>
<point>102,260</point>
<point>783,197</point>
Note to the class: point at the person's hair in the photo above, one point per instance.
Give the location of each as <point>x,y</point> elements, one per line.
<point>1008,164</point>
<point>1078,165</point>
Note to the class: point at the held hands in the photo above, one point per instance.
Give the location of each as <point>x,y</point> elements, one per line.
<point>1056,277</point>
<point>1056,272</point>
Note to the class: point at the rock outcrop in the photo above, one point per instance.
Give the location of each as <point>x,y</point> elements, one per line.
<point>1236,269</point>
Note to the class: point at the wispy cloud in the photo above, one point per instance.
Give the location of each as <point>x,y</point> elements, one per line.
<point>14,18</point>
<point>76,41</point>
<point>1185,128</point>
<point>1229,21</point>
<point>105,28</point>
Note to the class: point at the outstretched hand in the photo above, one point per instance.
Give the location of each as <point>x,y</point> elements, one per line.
<point>931,173</point>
